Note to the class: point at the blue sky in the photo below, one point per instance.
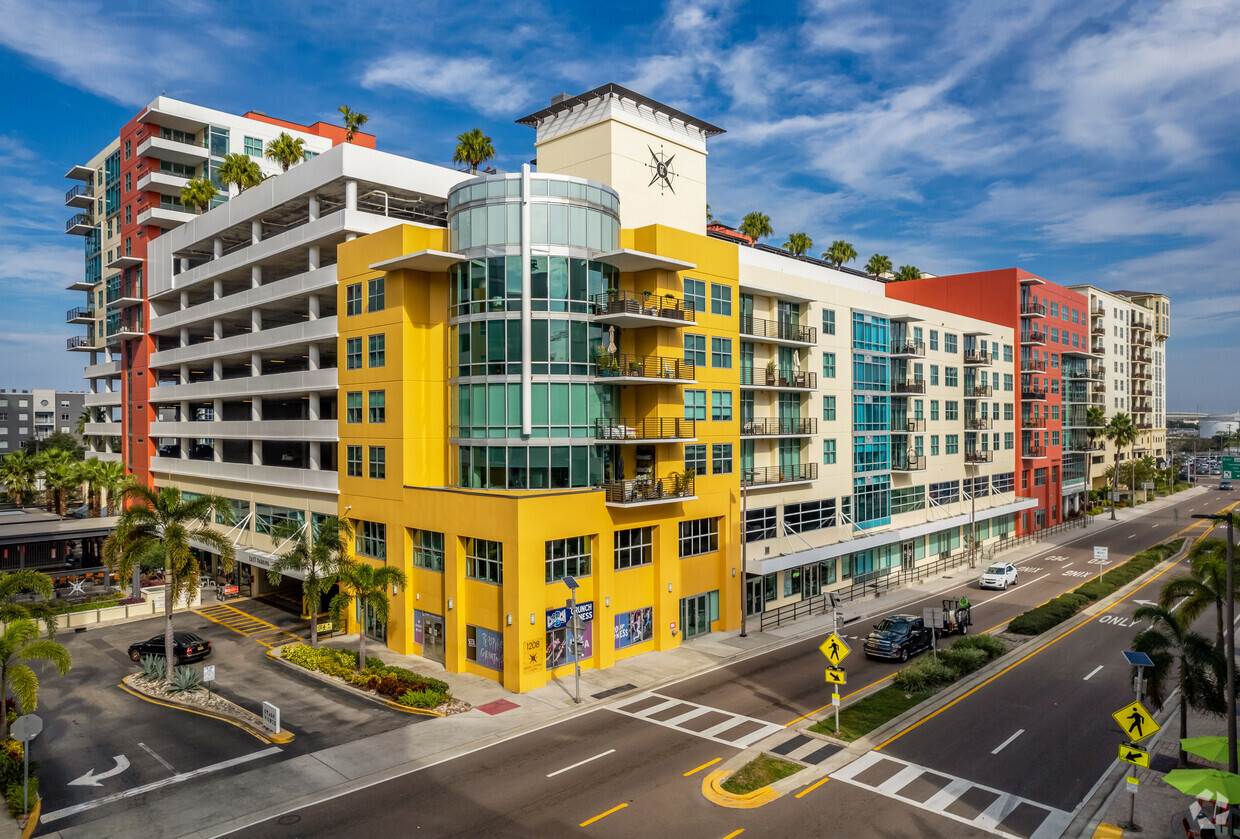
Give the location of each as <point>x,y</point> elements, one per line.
<point>1084,140</point>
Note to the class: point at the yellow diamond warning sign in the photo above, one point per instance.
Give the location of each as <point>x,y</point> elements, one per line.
<point>1136,722</point>
<point>834,649</point>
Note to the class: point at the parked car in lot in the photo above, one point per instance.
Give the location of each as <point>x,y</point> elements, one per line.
<point>898,637</point>
<point>998,575</point>
<point>186,647</point>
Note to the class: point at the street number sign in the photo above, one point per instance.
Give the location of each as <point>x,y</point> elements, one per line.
<point>1136,722</point>
<point>836,676</point>
<point>1135,756</point>
<point>834,649</point>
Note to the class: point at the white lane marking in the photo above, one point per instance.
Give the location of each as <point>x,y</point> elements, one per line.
<point>56,815</point>
<point>91,779</point>
<point>1092,673</point>
<point>999,748</point>
<point>151,752</point>
<point>1009,591</point>
<point>1065,565</point>
<point>1155,525</point>
<point>581,763</point>
<point>1132,535</point>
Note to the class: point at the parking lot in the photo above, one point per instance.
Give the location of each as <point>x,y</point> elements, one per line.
<point>113,744</point>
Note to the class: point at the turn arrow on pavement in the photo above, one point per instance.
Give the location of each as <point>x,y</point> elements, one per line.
<point>90,779</point>
<point>1145,602</point>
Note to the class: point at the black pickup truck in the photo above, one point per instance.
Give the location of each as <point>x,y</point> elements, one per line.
<point>898,637</point>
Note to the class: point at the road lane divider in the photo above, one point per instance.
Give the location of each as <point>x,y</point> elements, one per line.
<point>1004,744</point>
<point>1093,673</point>
<point>581,763</point>
<point>734,834</point>
<point>603,815</point>
<point>695,770</point>
<point>812,787</point>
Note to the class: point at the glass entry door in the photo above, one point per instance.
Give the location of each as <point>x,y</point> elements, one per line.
<point>754,601</point>
<point>371,625</point>
<point>432,638</point>
<point>694,616</point>
<point>908,554</point>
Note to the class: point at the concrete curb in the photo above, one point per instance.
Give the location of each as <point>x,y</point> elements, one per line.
<point>274,653</point>
<point>713,791</point>
<point>33,821</point>
<point>240,720</point>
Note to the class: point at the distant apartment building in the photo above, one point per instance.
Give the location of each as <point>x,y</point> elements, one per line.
<point>35,415</point>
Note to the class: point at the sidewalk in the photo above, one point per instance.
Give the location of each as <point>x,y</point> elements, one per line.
<point>311,778</point>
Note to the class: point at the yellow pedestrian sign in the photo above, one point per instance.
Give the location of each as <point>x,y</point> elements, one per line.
<point>1136,722</point>
<point>834,649</point>
<point>835,676</point>
<point>1135,756</point>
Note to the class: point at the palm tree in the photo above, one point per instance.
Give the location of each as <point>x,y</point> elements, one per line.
<point>709,217</point>
<point>907,272</point>
<point>20,643</point>
<point>1199,664</point>
<point>353,120</point>
<point>840,252</point>
<point>317,560</point>
<point>368,585</point>
<point>879,264</point>
<point>1095,430</point>
<point>89,473</point>
<point>1204,586</point>
<point>798,244</point>
<point>58,471</point>
<point>756,226</point>
<point>82,419</point>
<point>112,480</point>
<point>473,147</point>
<point>1122,432</point>
<point>18,472</point>
<point>198,193</point>
<point>238,170</point>
<point>15,582</point>
<point>286,150</point>
<point>160,524</point>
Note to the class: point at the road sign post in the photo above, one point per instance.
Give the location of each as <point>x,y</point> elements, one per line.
<point>933,617</point>
<point>836,650</point>
<point>1101,556</point>
<point>25,729</point>
<point>835,700</point>
<point>208,676</point>
<point>574,632</point>
<point>1132,805</point>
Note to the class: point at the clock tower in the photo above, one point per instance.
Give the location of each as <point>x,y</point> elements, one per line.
<point>653,155</point>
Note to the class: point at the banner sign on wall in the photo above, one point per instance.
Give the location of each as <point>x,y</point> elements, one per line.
<point>634,627</point>
<point>560,649</point>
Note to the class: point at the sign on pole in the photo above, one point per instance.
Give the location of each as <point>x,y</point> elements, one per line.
<point>26,728</point>
<point>834,649</point>
<point>836,676</point>
<point>1230,468</point>
<point>1147,485</point>
<point>208,672</point>
<point>271,718</point>
<point>933,616</point>
<point>1136,722</point>
<point>1101,552</point>
<point>1135,756</point>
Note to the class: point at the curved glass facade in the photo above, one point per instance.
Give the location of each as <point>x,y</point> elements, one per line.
<point>571,221</point>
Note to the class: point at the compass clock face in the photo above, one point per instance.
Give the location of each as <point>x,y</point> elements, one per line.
<point>661,171</point>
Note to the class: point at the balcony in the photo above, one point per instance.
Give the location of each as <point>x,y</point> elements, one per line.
<point>1029,309</point>
<point>190,153</point>
<point>776,427</point>
<point>80,314</point>
<point>1098,330</point>
<point>766,476</point>
<point>1097,310</point>
<point>78,343</point>
<point>909,386</point>
<point>630,309</point>
<point>1033,422</point>
<point>167,217</point>
<point>779,332</point>
<point>1143,375</point>
<point>908,349</point>
<point>1030,366</point>
<point>641,493</point>
<point>911,426</point>
<point>165,183</point>
<point>1033,393</point>
<point>1033,336</point>
<point>1033,452</point>
<point>1142,390</point>
<point>778,380</point>
<point>908,461</point>
<point>651,429</point>
<point>80,197</point>
<point>978,456</point>
<point>977,357</point>
<point>978,392</point>
<point>654,369</point>
<point>1097,348</point>
<point>79,225</point>
<point>1140,342</point>
<point>978,423</point>
<point>1087,375</point>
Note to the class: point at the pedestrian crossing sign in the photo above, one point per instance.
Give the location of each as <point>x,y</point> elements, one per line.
<point>1135,756</point>
<point>835,676</point>
<point>1136,722</point>
<point>834,649</point>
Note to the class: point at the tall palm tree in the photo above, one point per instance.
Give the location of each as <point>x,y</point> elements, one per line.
<point>1199,665</point>
<point>840,252</point>
<point>58,475</point>
<point>756,226</point>
<point>18,472</point>
<point>198,193</point>
<point>112,481</point>
<point>353,121</point>
<point>878,265</point>
<point>1095,430</point>
<point>239,171</point>
<point>160,524</point>
<point>20,643</point>
<point>1204,586</point>
<point>798,244</point>
<point>318,559</point>
<point>907,272</point>
<point>473,147</point>
<point>15,582</point>
<point>89,473</point>
<point>83,418</point>
<point>368,585</point>
<point>286,150</point>
<point>1122,432</point>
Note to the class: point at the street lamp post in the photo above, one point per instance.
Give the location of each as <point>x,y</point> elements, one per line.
<point>1229,638</point>
<point>746,476</point>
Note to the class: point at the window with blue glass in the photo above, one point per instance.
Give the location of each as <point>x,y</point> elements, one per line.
<point>949,342</point>
<point>871,333</point>
<point>695,293</point>
<point>871,502</point>
<point>695,349</point>
<point>869,373</point>
<point>872,454</point>
<point>871,413</point>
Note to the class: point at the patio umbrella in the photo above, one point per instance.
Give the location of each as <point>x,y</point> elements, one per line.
<point>1206,784</point>
<point>611,340</point>
<point>796,361</point>
<point>1211,748</point>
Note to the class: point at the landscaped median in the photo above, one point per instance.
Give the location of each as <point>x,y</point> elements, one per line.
<point>393,686</point>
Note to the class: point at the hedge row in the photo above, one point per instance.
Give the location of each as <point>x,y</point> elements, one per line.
<point>1041,618</point>
<point>395,683</point>
<point>957,661</point>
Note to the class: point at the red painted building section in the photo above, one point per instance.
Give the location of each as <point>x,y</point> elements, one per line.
<point>1048,320</point>
<point>335,133</point>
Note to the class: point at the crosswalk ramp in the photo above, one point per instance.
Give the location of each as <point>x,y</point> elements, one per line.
<point>968,802</point>
<point>267,634</point>
<point>722,727</point>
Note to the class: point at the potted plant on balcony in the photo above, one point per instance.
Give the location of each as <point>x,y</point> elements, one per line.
<point>604,362</point>
<point>770,373</point>
<point>683,481</point>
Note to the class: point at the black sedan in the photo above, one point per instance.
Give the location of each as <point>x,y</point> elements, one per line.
<point>186,647</point>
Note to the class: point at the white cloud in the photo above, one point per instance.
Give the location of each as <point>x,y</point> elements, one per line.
<point>848,26</point>
<point>477,82</point>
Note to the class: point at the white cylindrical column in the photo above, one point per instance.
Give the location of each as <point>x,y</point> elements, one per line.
<point>350,195</point>
<point>314,208</point>
<point>184,374</point>
<point>313,360</point>
<point>184,264</point>
<point>256,320</point>
<point>217,328</point>
<point>316,455</point>
<point>314,406</point>
<point>185,300</point>
<point>184,414</point>
<point>256,364</point>
<point>313,306</point>
<point>185,336</point>
<point>256,409</point>
<point>256,232</point>
<point>256,453</point>
<point>256,276</point>
<point>218,247</point>
<point>217,289</point>
<point>349,237</point>
<point>313,261</point>
<point>217,369</point>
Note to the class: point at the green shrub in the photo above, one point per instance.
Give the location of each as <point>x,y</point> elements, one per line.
<point>153,667</point>
<point>425,698</point>
<point>963,660</point>
<point>992,646</point>
<point>13,795</point>
<point>185,680</point>
<point>925,674</point>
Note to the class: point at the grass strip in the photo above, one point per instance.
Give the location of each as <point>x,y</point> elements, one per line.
<point>762,771</point>
<point>865,715</point>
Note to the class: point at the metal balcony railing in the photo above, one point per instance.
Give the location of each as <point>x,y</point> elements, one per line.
<point>1098,330</point>
<point>908,347</point>
<point>978,392</point>
<point>1033,336</point>
<point>908,461</point>
<point>778,330</point>
<point>1033,451</point>
<point>1032,422</point>
<point>976,356</point>
<point>912,425</point>
<point>75,342</point>
<point>81,189</point>
<point>79,219</point>
<point>778,378</point>
<point>978,456</point>
<point>767,475</point>
<point>640,491</point>
<point>77,312</point>
<point>650,428</point>
<point>1031,366</point>
<point>776,427</point>
<point>1032,393</point>
<point>978,423</point>
<point>909,386</point>
<point>643,367</point>
<point>652,305</point>
<point>1031,309</point>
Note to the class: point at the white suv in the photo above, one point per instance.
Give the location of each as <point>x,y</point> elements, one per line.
<point>998,575</point>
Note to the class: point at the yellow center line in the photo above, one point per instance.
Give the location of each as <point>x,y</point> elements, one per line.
<point>842,698</point>
<point>603,815</point>
<point>703,766</point>
<point>810,789</point>
<point>734,834</point>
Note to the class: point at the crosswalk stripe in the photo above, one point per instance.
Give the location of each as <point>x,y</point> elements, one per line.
<point>765,729</point>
